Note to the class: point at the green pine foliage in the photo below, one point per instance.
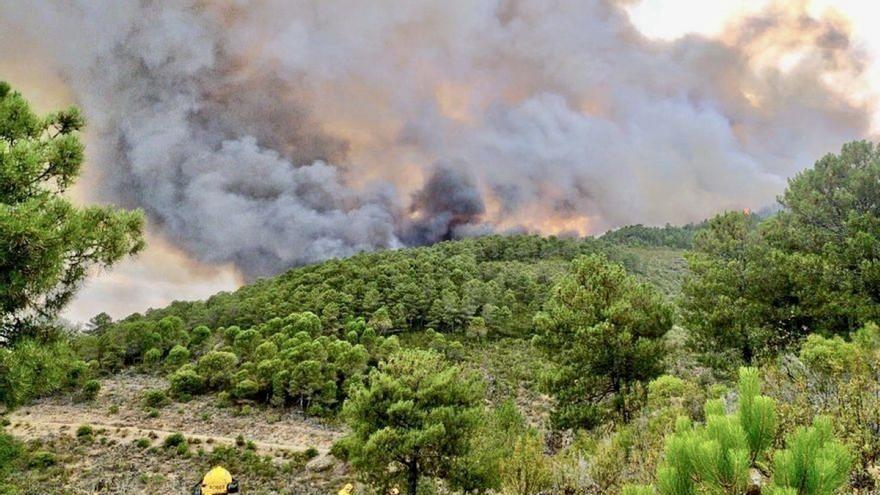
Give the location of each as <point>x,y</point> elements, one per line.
<point>721,455</point>
<point>757,414</point>
<point>638,490</point>
<point>285,362</point>
<point>666,236</point>
<point>502,279</point>
<point>813,464</point>
<point>413,418</point>
<point>604,330</point>
<point>393,342</point>
<point>48,245</point>
<point>762,286</point>
<point>32,369</point>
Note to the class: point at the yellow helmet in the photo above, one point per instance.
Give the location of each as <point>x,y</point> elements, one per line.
<point>218,481</point>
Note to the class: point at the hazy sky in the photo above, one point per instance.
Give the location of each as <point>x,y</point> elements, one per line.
<point>669,19</point>
<point>166,271</point>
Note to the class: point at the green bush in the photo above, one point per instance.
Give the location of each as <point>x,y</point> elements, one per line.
<point>186,382</point>
<point>813,464</point>
<point>10,451</point>
<point>717,457</point>
<point>177,357</point>
<point>830,356</point>
<point>90,390</point>
<point>33,369</point>
<point>664,389</point>
<point>230,333</point>
<point>527,471</point>
<point>182,449</point>
<point>246,389</point>
<point>155,398</point>
<point>246,342</point>
<point>172,332</point>
<point>637,490</point>
<point>265,351</point>
<point>152,357</point>
<point>84,431</point>
<point>174,440</point>
<point>199,336</point>
<point>78,373</point>
<point>217,367</point>
<point>42,460</point>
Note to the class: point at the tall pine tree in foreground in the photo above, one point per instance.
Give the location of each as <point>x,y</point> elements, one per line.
<point>603,329</point>
<point>413,419</point>
<point>48,245</point>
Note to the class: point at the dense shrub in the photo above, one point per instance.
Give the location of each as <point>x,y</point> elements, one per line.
<point>42,459</point>
<point>155,398</point>
<point>717,457</point>
<point>217,368</point>
<point>84,431</point>
<point>527,470</point>
<point>33,369</point>
<point>152,357</point>
<point>246,389</point>
<point>199,336</point>
<point>10,450</point>
<point>177,356</point>
<point>90,390</point>
<point>186,382</point>
<point>174,440</point>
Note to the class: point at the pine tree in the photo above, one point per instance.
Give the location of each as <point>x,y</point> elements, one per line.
<point>413,418</point>
<point>604,330</point>
<point>47,244</point>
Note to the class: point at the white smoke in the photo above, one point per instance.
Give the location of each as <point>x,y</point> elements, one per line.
<point>270,133</point>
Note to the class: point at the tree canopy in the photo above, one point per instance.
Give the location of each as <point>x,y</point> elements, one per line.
<point>413,418</point>
<point>604,329</point>
<point>814,267</point>
<point>47,245</point>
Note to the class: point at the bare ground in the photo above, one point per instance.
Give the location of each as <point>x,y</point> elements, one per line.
<point>110,463</point>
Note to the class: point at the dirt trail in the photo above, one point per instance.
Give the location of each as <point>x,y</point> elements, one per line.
<point>118,414</point>
<point>36,427</point>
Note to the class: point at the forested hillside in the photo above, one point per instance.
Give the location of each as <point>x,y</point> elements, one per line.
<point>503,279</point>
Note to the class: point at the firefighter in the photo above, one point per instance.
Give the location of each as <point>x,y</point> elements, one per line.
<point>217,481</point>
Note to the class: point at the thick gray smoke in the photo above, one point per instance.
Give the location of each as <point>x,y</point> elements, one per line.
<point>270,133</point>
<point>448,200</point>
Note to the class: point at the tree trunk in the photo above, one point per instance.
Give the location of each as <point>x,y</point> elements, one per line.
<point>747,352</point>
<point>412,478</point>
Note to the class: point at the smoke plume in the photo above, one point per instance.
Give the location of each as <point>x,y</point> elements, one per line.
<point>270,133</point>
<point>448,200</point>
